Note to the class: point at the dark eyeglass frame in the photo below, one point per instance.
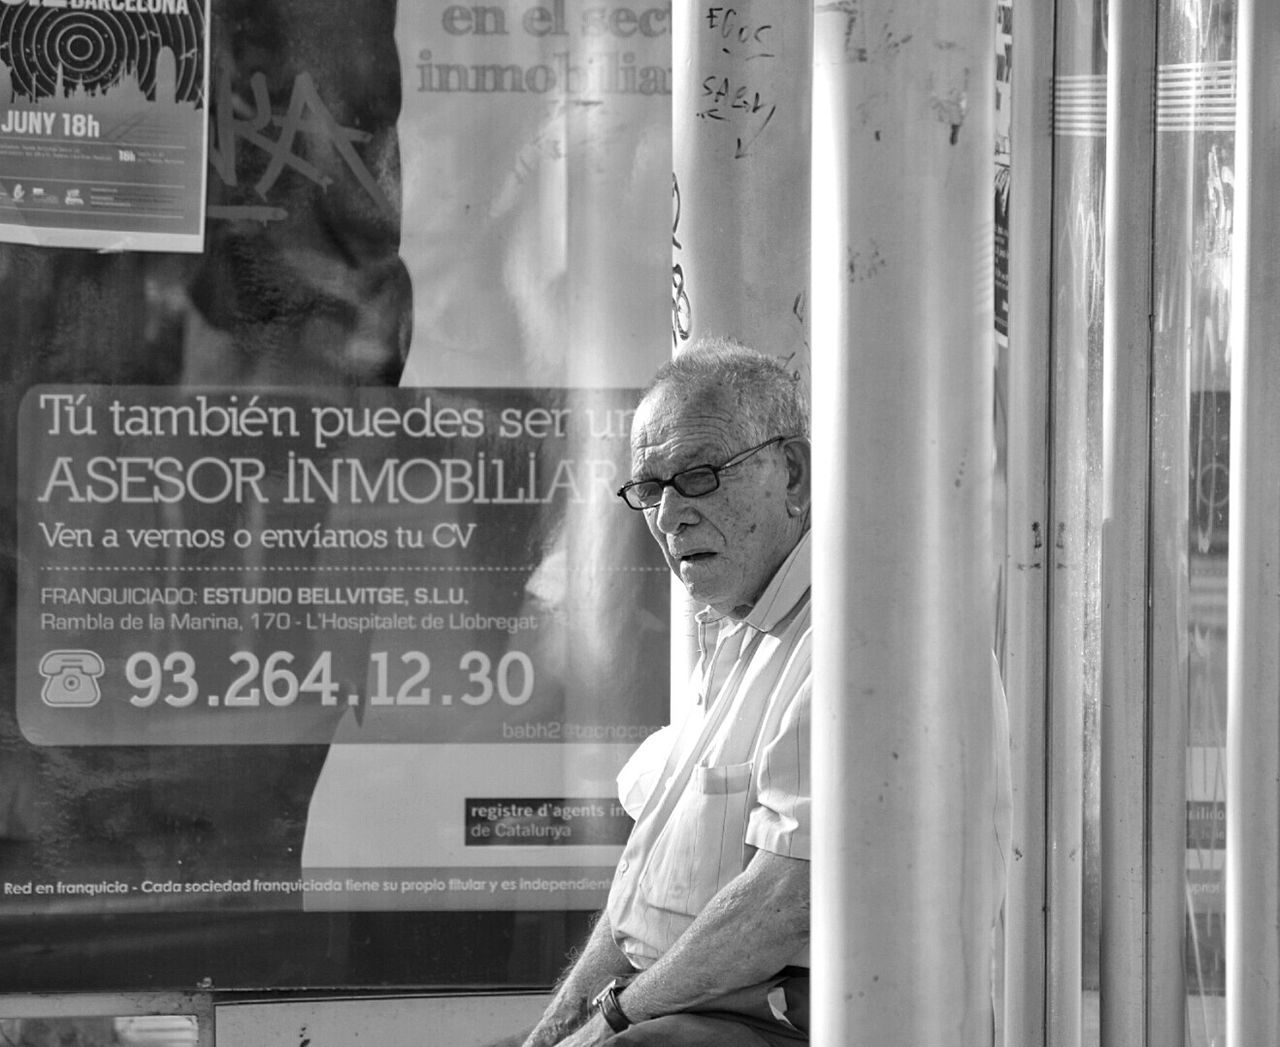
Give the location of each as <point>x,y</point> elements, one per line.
<point>627,491</point>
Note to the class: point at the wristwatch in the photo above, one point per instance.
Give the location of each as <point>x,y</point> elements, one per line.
<point>607,1004</point>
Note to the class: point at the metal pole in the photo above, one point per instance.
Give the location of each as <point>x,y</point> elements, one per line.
<point>903,602</point>
<point>1127,412</point>
<point>740,133</point>
<point>1253,665</point>
<point>1028,564</point>
<point>741,117</point>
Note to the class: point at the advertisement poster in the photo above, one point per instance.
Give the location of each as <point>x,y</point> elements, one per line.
<point>1003,166</point>
<point>325,632</point>
<point>443,570</point>
<point>103,123</point>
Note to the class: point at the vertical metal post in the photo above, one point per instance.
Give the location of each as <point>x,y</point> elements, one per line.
<point>1029,561</point>
<point>1253,666</point>
<point>740,133</point>
<point>741,118</point>
<point>903,609</point>
<point>1125,578</point>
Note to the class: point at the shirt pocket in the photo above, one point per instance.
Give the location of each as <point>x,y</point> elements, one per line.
<point>703,845</point>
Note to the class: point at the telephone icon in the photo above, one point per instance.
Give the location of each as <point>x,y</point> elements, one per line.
<point>71,678</point>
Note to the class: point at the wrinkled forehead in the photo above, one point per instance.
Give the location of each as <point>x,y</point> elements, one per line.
<point>674,428</point>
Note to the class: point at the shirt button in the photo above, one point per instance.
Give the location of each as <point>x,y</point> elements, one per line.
<point>622,865</point>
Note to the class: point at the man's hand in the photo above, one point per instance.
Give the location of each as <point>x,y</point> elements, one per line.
<point>756,925</point>
<point>569,1010</point>
<point>595,1032</point>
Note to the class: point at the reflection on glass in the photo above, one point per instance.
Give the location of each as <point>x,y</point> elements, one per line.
<point>142,1030</point>
<point>1191,264</point>
<point>1194,203</point>
<point>1075,655</point>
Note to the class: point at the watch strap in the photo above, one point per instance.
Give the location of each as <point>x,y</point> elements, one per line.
<point>610,1008</point>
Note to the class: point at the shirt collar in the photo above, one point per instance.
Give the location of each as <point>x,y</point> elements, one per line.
<point>787,587</point>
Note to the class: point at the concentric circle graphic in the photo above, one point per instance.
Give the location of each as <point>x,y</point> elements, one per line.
<point>46,51</point>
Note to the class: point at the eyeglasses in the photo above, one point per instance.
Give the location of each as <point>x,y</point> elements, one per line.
<point>693,482</point>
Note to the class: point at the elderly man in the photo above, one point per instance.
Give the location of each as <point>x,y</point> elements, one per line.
<point>704,939</point>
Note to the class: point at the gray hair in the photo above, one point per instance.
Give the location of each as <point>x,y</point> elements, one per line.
<point>774,400</point>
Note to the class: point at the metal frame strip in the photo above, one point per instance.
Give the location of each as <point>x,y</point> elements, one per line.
<point>1027,566</point>
<point>1125,713</point>
<point>1253,660</point>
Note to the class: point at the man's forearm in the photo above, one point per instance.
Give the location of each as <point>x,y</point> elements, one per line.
<point>600,960</point>
<point>754,927</point>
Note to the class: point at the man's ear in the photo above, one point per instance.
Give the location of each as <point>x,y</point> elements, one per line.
<point>799,454</point>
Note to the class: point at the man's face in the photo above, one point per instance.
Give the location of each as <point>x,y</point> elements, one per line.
<point>726,545</point>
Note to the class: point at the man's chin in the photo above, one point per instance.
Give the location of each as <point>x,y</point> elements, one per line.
<point>702,585</point>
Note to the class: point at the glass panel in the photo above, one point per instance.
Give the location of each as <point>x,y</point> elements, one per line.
<point>1075,655</point>
<point>1194,204</point>
<point>468,201</point>
<point>140,1030</point>
<point>1192,262</point>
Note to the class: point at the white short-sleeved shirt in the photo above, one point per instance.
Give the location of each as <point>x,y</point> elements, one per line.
<point>730,778</point>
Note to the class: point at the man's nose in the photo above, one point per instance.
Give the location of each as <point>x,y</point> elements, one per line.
<point>674,511</point>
